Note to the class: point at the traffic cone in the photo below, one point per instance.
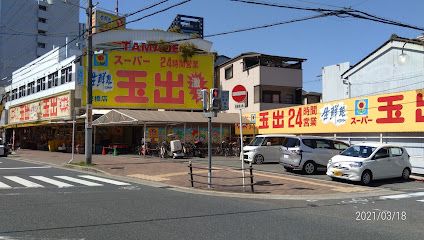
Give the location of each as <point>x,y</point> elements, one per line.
<point>104,151</point>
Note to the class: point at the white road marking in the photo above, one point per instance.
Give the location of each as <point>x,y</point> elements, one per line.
<point>422,200</point>
<point>80,181</point>
<point>402,196</point>
<point>52,181</point>
<point>114,182</point>
<point>23,182</point>
<point>4,186</point>
<point>18,168</point>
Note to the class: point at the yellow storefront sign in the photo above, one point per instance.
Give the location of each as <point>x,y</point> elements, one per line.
<point>103,21</point>
<point>146,80</point>
<point>394,112</point>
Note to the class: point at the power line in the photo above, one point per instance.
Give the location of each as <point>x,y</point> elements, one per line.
<point>345,12</point>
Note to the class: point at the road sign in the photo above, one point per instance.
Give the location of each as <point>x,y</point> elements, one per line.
<point>225,99</point>
<point>239,93</point>
<point>239,105</point>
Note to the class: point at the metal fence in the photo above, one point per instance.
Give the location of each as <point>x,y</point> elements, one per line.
<point>193,175</point>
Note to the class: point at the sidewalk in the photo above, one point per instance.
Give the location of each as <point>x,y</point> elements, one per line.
<point>175,173</point>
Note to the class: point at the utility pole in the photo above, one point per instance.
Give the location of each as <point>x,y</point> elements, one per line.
<point>89,107</point>
<point>116,7</point>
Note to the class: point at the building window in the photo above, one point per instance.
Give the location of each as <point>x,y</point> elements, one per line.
<point>229,72</point>
<point>28,89</point>
<point>22,91</point>
<point>50,81</point>
<point>39,84</point>
<point>56,79</point>
<point>42,20</point>
<point>42,32</point>
<point>271,97</point>
<point>69,75</point>
<point>41,45</point>
<point>43,8</point>
<point>14,94</point>
<point>66,75</point>
<point>43,83</point>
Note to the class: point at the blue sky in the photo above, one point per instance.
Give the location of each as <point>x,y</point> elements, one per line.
<point>322,42</point>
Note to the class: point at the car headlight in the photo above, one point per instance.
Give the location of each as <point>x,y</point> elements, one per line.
<point>355,164</point>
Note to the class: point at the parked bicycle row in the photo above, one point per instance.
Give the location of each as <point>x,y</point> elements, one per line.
<point>177,149</point>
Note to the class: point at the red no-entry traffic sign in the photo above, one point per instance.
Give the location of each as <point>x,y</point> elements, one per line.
<point>239,93</point>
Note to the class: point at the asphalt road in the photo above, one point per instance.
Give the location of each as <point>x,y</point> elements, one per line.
<point>135,211</point>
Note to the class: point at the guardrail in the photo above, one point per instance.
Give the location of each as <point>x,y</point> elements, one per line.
<point>192,175</point>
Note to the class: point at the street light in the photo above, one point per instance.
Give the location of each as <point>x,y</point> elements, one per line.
<point>403,56</point>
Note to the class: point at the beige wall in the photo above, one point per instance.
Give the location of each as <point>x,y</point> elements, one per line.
<point>248,79</point>
<point>255,76</point>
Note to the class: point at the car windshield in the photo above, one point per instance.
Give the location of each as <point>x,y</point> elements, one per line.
<point>358,151</point>
<point>257,141</point>
<point>291,142</point>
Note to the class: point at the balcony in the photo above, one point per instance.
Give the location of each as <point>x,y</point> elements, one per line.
<point>42,26</point>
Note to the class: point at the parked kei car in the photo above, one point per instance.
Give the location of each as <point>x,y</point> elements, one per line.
<point>309,153</point>
<point>370,161</point>
<point>265,148</point>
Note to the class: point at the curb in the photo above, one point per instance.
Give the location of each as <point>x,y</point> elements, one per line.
<point>85,168</point>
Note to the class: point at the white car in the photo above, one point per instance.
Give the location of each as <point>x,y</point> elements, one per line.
<point>370,161</point>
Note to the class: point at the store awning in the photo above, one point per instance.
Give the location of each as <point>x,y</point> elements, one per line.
<point>96,112</point>
<point>28,124</point>
<point>140,117</point>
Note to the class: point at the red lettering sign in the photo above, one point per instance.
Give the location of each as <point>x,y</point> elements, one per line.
<point>53,107</point>
<point>278,119</point>
<point>45,110</point>
<point>132,85</point>
<point>419,112</point>
<point>390,108</point>
<point>264,120</point>
<point>169,84</point>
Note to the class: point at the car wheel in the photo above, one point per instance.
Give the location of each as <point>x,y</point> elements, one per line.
<point>366,178</point>
<point>405,174</point>
<point>259,159</point>
<point>288,169</point>
<point>309,168</point>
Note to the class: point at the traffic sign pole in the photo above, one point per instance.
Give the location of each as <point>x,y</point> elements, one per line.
<point>241,148</point>
<point>239,95</point>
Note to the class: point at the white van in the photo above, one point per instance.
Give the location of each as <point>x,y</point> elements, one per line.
<point>265,148</point>
<point>308,153</point>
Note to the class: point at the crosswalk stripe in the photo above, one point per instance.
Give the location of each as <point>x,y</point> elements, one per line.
<point>3,186</point>
<point>52,181</point>
<point>80,181</point>
<point>23,182</point>
<point>114,182</point>
<point>405,195</point>
<point>422,200</point>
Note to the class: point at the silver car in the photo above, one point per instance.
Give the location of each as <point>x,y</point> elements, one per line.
<point>308,153</point>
